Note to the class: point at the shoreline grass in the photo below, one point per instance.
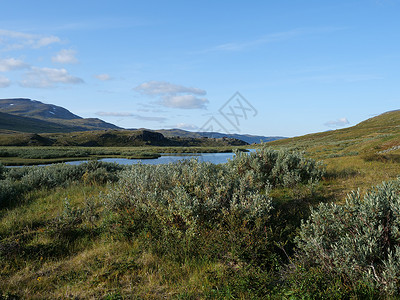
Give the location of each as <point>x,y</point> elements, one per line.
<point>20,156</point>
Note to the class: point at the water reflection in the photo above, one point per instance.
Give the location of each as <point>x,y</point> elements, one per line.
<point>215,158</point>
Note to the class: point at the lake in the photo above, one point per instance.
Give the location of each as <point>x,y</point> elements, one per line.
<point>215,158</point>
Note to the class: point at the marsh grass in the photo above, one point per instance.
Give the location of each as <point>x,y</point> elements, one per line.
<point>23,156</point>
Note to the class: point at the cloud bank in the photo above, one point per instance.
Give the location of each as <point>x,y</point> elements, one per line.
<point>10,64</point>
<point>173,95</point>
<point>186,126</point>
<point>15,40</point>
<point>163,87</point>
<point>65,56</point>
<point>338,123</point>
<point>135,116</point>
<point>184,101</point>
<point>48,77</point>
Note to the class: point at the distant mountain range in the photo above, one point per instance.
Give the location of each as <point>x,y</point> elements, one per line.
<point>251,139</point>
<point>31,116</point>
<point>26,115</point>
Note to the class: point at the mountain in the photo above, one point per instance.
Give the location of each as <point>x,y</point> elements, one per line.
<point>56,118</point>
<point>374,138</point>
<point>32,116</point>
<point>250,139</point>
<point>15,123</point>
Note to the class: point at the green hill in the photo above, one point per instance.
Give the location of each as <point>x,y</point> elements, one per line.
<point>15,123</point>
<point>41,117</point>
<point>377,137</point>
<point>112,138</point>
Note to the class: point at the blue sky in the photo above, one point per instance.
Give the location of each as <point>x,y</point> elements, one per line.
<point>301,66</point>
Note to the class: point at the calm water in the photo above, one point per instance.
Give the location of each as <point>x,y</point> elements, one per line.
<point>215,158</point>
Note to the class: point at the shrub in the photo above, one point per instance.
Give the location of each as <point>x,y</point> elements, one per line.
<point>17,181</point>
<point>65,225</point>
<point>359,242</point>
<point>187,193</point>
<point>221,208</point>
<point>2,171</point>
<point>9,191</point>
<point>276,168</point>
<point>179,204</point>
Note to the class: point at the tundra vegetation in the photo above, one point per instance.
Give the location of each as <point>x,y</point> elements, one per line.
<point>268,224</point>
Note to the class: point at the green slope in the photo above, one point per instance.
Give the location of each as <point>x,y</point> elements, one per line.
<point>111,138</point>
<point>31,125</point>
<point>61,119</point>
<point>377,135</point>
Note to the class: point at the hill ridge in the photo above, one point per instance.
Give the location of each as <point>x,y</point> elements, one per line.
<point>57,117</point>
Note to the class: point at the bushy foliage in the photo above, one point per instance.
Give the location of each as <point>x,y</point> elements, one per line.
<point>358,242</point>
<point>18,181</point>
<point>186,195</point>
<point>277,168</point>
<point>2,171</point>
<point>221,208</point>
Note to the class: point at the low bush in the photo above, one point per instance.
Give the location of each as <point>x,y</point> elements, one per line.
<point>357,243</point>
<point>184,197</point>
<point>220,208</point>
<point>17,181</point>
<point>277,168</point>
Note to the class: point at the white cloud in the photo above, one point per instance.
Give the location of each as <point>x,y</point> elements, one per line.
<point>166,88</point>
<point>184,101</point>
<point>173,95</point>
<point>4,82</point>
<point>103,77</point>
<point>186,126</point>
<point>65,56</point>
<point>338,123</point>
<point>17,40</point>
<point>135,116</point>
<point>10,64</point>
<point>151,119</point>
<point>113,114</point>
<point>45,41</point>
<point>47,77</point>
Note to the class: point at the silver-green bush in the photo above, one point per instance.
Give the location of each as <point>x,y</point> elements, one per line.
<point>268,167</point>
<point>358,241</point>
<point>185,195</point>
<point>17,181</point>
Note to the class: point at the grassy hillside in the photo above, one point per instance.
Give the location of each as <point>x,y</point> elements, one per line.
<point>35,109</point>
<point>360,155</point>
<point>377,135</point>
<point>112,138</point>
<point>31,125</point>
<point>36,113</point>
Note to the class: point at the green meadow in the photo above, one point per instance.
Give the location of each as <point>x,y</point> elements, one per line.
<point>313,217</point>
